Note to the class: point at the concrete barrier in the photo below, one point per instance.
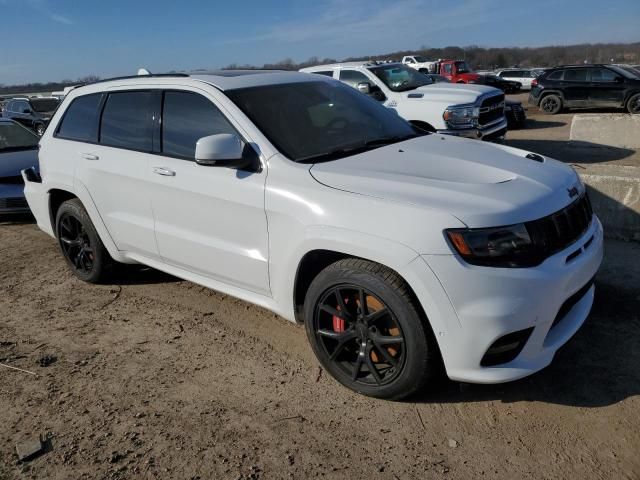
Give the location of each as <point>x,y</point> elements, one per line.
<point>615,194</point>
<point>614,129</point>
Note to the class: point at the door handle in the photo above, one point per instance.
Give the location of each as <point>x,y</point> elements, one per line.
<point>89,156</point>
<point>164,171</point>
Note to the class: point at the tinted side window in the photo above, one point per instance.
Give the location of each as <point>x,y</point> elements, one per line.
<point>80,121</point>
<point>557,75</point>
<point>446,68</point>
<point>326,73</point>
<point>127,121</point>
<point>576,75</point>
<point>602,75</point>
<point>21,106</point>
<point>186,118</point>
<point>353,78</point>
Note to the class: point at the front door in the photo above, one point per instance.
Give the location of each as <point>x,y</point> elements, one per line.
<point>208,220</point>
<point>607,89</point>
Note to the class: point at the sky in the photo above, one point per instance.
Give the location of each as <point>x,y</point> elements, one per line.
<point>51,40</point>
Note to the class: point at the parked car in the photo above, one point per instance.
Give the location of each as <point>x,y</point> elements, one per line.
<point>400,251</point>
<point>586,86</point>
<point>419,63</point>
<point>515,113</point>
<point>18,151</point>
<point>458,71</point>
<point>507,86</point>
<point>472,111</point>
<point>518,75</point>
<point>33,113</point>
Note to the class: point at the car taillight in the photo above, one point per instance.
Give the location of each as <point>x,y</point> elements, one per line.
<point>534,82</point>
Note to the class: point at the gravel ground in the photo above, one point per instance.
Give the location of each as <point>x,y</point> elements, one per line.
<point>153,377</point>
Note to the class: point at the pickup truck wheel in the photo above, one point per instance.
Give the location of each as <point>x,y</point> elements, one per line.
<point>633,105</point>
<point>80,243</point>
<point>366,331</point>
<point>551,104</point>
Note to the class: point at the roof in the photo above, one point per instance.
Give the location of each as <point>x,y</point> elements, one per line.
<point>362,63</point>
<point>223,79</point>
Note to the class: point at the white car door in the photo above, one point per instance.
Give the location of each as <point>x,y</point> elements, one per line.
<point>115,172</point>
<point>208,220</point>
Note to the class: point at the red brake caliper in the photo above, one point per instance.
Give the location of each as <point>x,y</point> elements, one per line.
<point>338,323</point>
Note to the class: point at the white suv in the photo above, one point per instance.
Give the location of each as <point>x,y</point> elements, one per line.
<point>472,111</point>
<point>401,251</point>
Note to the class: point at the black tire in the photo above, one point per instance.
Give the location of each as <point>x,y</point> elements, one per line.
<point>633,105</point>
<point>551,104</point>
<point>39,129</point>
<point>405,367</point>
<point>80,243</point>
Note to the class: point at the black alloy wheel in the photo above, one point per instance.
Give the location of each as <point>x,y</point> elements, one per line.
<point>634,104</point>
<point>551,104</point>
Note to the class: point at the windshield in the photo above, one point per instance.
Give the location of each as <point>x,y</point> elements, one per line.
<point>316,121</point>
<point>44,104</point>
<point>400,78</point>
<point>626,71</point>
<point>15,137</point>
<point>462,67</point>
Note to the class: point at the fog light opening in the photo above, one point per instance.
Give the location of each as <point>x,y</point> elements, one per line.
<point>506,348</point>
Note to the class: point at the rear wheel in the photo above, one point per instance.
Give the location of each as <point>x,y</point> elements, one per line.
<point>366,331</point>
<point>80,244</point>
<point>551,104</point>
<point>633,105</point>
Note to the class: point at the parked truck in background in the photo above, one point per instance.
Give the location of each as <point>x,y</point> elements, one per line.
<point>419,63</point>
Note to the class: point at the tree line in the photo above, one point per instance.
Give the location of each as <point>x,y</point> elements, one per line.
<point>480,58</point>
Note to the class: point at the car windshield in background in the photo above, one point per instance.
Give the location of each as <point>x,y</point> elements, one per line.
<point>44,104</point>
<point>400,78</point>
<point>15,137</point>
<point>462,67</point>
<point>317,121</point>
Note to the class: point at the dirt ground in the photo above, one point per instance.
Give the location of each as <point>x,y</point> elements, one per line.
<point>159,378</point>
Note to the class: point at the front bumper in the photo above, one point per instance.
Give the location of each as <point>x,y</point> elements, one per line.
<point>490,303</point>
<point>12,200</point>
<point>494,131</point>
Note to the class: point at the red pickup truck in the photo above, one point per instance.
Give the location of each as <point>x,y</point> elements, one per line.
<point>456,71</point>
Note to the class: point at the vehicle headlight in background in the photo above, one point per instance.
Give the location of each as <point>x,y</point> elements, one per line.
<point>509,246</point>
<point>461,116</point>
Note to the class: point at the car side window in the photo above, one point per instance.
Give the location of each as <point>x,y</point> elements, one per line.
<point>557,75</point>
<point>21,107</point>
<point>80,121</point>
<point>602,75</point>
<point>353,77</point>
<point>576,75</point>
<point>127,121</point>
<point>186,118</point>
<point>326,73</point>
<point>446,68</point>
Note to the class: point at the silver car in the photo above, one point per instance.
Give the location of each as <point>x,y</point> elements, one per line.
<point>18,151</point>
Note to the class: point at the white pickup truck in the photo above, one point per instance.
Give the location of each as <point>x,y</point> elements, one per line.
<point>472,111</point>
<point>419,63</point>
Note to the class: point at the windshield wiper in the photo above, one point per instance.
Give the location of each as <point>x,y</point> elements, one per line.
<point>347,151</point>
<point>378,142</point>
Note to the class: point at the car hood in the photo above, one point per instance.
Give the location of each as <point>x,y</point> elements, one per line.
<point>13,162</point>
<point>454,93</point>
<point>479,183</point>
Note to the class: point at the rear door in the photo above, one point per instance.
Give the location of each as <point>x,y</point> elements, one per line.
<point>606,90</point>
<point>115,169</point>
<point>208,220</point>
<point>576,87</point>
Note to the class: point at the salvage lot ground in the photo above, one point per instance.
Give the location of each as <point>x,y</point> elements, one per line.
<point>159,378</point>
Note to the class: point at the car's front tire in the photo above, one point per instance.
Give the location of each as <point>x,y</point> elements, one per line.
<point>384,350</point>
<point>551,104</point>
<point>80,243</point>
<point>633,105</point>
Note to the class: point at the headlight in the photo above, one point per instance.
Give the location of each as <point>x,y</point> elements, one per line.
<point>461,116</point>
<point>509,246</point>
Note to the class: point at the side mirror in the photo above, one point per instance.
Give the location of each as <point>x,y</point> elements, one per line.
<point>221,150</point>
<point>620,79</point>
<point>364,87</point>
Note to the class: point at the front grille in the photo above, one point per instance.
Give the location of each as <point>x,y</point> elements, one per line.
<point>571,302</point>
<point>13,203</point>
<point>491,109</point>
<point>559,230</point>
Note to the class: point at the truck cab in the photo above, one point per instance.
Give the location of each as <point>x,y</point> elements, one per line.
<point>456,71</point>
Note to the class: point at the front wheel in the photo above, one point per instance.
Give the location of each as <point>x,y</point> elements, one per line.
<point>367,332</point>
<point>80,244</point>
<point>551,104</point>
<point>633,105</point>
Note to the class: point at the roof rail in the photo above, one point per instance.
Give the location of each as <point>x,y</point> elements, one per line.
<point>151,75</point>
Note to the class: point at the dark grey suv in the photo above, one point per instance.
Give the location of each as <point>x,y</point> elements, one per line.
<point>586,86</point>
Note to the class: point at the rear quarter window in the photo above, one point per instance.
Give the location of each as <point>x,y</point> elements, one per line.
<point>80,120</point>
<point>556,75</point>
